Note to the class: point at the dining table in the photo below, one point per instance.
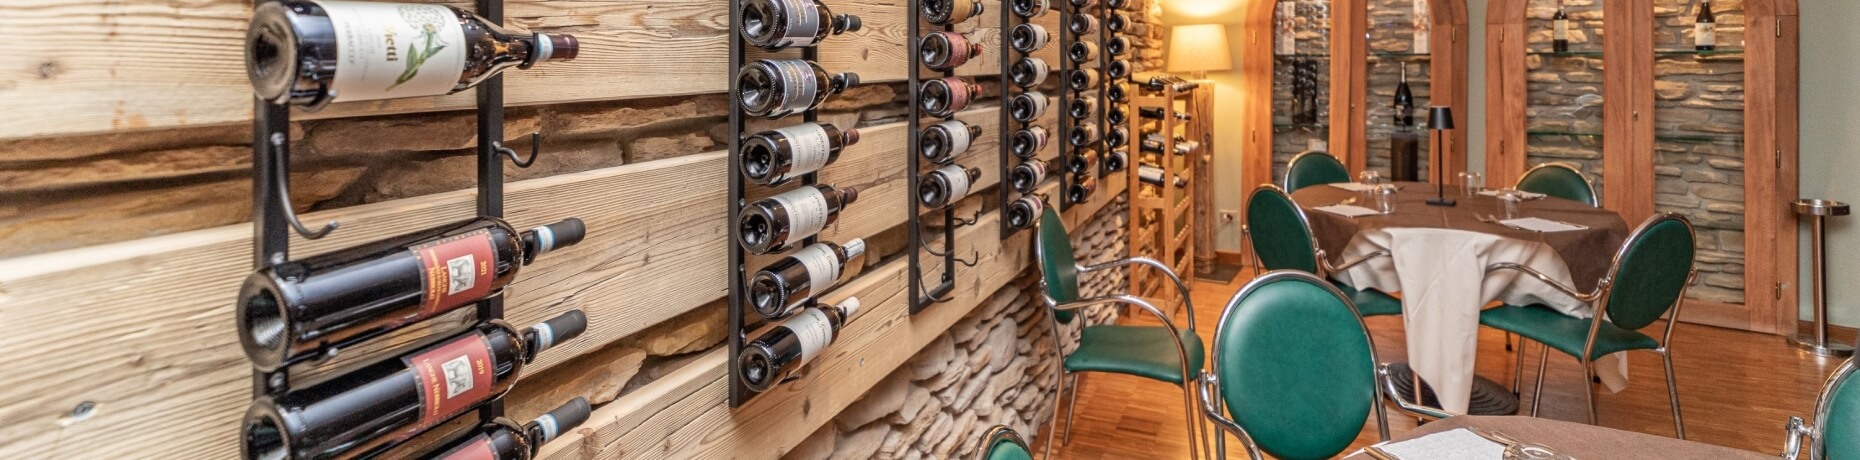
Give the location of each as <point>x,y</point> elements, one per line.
<point>1437,259</point>
<point>1571,440</point>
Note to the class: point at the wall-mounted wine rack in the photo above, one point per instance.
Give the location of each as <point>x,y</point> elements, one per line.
<point>1117,68</point>
<point>921,296</point>
<point>1021,208</point>
<point>1082,67</point>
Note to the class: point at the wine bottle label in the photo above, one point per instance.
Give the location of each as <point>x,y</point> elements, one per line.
<point>1705,33</point>
<point>451,378</point>
<point>1562,30</point>
<point>807,211</point>
<point>799,87</point>
<point>958,94</point>
<point>813,330</point>
<point>958,182</point>
<point>1286,41</point>
<point>1150,173</point>
<point>803,22</point>
<point>548,428</point>
<point>823,267</point>
<point>812,147</point>
<point>455,270</point>
<point>958,136</point>
<point>393,50</point>
<point>958,49</point>
<point>478,449</point>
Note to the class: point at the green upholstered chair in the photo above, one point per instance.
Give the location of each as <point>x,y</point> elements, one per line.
<point>1164,353</point>
<point>1002,443</point>
<point>1559,180</point>
<point>1282,240</point>
<point>1836,432</point>
<point>1648,278</point>
<point>1293,372</point>
<point>1314,167</point>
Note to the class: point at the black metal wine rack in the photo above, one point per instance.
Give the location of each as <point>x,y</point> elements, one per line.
<point>1070,67</point>
<point>920,296</point>
<point>1008,126</point>
<point>1106,60</point>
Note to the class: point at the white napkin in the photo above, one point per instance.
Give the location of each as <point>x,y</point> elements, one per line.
<point>1353,186</point>
<point>1349,211</point>
<point>1456,444</point>
<point>1541,225</point>
<point>1521,194</point>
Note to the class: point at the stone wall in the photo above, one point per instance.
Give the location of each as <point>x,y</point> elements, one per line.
<point>1698,138</point>
<point>1563,112</point>
<point>1391,44</point>
<point>1311,27</point>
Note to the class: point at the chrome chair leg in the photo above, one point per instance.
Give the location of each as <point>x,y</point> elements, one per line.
<point>1537,394</point>
<point>1072,407</point>
<point>1508,341</point>
<point>1188,406</point>
<point>1672,392</point>
<point>1517,374</point>
<point>1052,426</point>
<point>1588,389</point>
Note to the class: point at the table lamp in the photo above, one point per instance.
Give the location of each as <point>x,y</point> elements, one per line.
<point>1199,48</point>
<point>1440,120</point>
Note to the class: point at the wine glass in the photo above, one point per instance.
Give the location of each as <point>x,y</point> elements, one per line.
<point>1471,183</point>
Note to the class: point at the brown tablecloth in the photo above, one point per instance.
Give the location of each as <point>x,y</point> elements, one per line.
<point>1585,442</point>
<point>1588,252</point>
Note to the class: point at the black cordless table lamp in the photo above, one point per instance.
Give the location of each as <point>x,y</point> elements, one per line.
<point>1439,120</point>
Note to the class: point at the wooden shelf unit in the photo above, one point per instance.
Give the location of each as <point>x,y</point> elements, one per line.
<point>1162,218</point>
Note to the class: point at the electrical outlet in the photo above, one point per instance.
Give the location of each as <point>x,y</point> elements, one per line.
<point>1229,216</point>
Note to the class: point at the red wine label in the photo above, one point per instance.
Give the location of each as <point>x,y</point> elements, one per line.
<point>958,182</point>
<point>958,49</point>
<point>958,94</point>
<point>798,85</point>
<point>478,449</point>
<point>451,377</point>
<point>807,211</point>
<point>1705,33</point>
<point>393,50</point>
<point>958,136</point>
<point>811,145</point>
<point>455,271</point>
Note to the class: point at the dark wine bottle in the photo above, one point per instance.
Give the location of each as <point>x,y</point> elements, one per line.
<point>503,439</point>
<point>1082,162</point>
<point>1161,82</point>
<point>383,404</point>
<point>942,50</point>
<point>1082,107</point>
<point>1081,5</point>
<point>942,142</point>
<point>1028,175</point>
<point>1029,9</point>
<point>1083,135</point>
<point>1404,100</point>
<point>1028,142</point>
<point>1117,92</point>
<point>1028,38</point>
<point>1082,52</point>
<point>1117,46</point>
<point>1559,35</point>
<point>1028,72</point>
<point>1158,113</point>
<point>945,186</point>
<point>775,88</point>
<point>777,156</point>
<point>777,222</point>
<point>1116,23</point>
<point>1027,107</point>
<point>1117,136</point>
<point>1118,70</point>
<point>1116,160</point>
<point>1082,79</point>
<point>309,53</point>
<point>781,288</point>
<point>1705,28</point>
<point>948,12</point>
<point>1024,211</point>
<point>291,310</point>
<point>1080,191</point>
<point>779,24</point>
<point>775,355</point>
<point>943,97</point>
<point>1115,115</point>
<point>1081,24</point>
<point>1154,176</point>
<point>1118,4</point>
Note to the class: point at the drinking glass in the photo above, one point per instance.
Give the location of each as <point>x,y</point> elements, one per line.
<point>1471,182</point>
<point>1508,203</point>
<point>1385,198</point>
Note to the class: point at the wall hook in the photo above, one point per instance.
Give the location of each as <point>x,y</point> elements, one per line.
<point>535,149</point>
<point>282,182</point>
<point>959,222</point>
<point>973,259</point>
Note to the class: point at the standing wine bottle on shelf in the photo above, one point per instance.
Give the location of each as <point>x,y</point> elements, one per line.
<point>777,222</point>
<point>503,439</point>
<point>1082,24</point>
<point>943,97</point>
<point>1080,191</point>
<point>1116,115</point>
<point>942,142</point>
<point>775,355</point>
<point>1027,107</point>
<point>1117,136</point>
<point>775,25</point>
<point>783,287</point>
<point>945,186</point>
<point>950,12</point>
<point>1118,70</point>
<point>1029,9</point>
<point>1028,72</point>
<point>1154,176</point>
<point>1158,113</point>
<point>294,309</point>
<point>363,412</point>
<point>1082,162</point>
<point>1024,211</point>
<point>1083,135</point>
<point>775,88</point>
<point>1559,34</point>
<point>777,156</point>
<point>309,53</point>
<point>1082,52</point>
<point>1029,38</point>
<point>943,51</point>
<point>1027,176</point>
<point>1083,106</point>
<point>1115,161</point>
<point>1117,22</point>
<point>1117,46</point>
<point>1028,142</point>
<point>1404,101</point>
<point>1705,28</point>
<point>1082,79</point>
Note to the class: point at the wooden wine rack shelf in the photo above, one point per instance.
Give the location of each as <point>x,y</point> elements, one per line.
<point>1162,218</point>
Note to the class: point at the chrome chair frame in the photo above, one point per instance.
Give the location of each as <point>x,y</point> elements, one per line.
<point>1289,164</point>
<point>1817,434</point>
<point>1213,407</point>
<point>1594,199</point>
<point>1598,302</point>
<point>996,434</point>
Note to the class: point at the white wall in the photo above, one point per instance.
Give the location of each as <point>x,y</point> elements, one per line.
<point>1830,155</point>
<point>1229,190</point>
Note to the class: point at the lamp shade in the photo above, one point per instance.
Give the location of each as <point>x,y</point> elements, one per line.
<point>1199,47</point>
<point>1440,117</point>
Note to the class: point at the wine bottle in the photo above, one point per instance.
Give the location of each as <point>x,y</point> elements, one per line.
<point>1116,136</point>
<point>1028,72</point>
<point>1559,36</point>
<point>943,97</point>
<point>1080,191</point>
<point>781,288</point>
<point>1082,162</point>
<point>1154,176</point>
<point>1186,147</point>
<point>942,50</point>
<point>1404,100</point>
<point>777,222</point>
<point>1082,24</point>
<point>309,53</point>
<point>945,186</point>
<point>1029,9</point>
<point>942,142</point>
<point>779,24</point>
<point>1028,142</point>
<point>1117,46</point>
<point>1028,175</point>
<point>1027,107</point>
<point>777,156</point>
<point>1117,92</point>
<point>777,354</point>
<point>1082,52</point>
<point>383,404</point>
<point>503,439</point>
<point>1118,4</point>
<point>1083,135</point>
<point>1158,113</point>
<point>1162,82</point>
<point>293,309</point>
<point>775,88</point>
<point>1705,28</point>
<point>1115,161</point>
<point>1083,106</point>
<point>1082,79</point>
<point>1118,70</point>
<point>948,12</point>
<point>1116,23</point>
<point>1024,211</point>
<point>1028,38</point>
<point>1154,144</point>
<point>1081,5</point>
<point>1115,115</point>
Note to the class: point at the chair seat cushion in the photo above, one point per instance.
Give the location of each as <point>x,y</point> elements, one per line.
<point>1143,351</point>
<point>1563,332</point>
<point>1370,302</point>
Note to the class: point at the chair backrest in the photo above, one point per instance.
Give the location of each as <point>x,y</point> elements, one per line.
<point>1059,271</point>
<point>1314,167</point>
<point>1296,367</point>
<point>1002,443</point>
<point>1837,417</point>
<point>1650,271</point>
<point>1281,236</point>
<point>1558,180</point>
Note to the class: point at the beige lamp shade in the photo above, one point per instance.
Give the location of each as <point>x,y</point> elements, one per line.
<point>1200,47</point>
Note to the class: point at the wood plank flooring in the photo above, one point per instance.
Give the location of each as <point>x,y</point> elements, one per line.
<point>1736,389</point>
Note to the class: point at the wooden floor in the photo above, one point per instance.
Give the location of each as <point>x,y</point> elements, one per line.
<point>1736,388</point>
